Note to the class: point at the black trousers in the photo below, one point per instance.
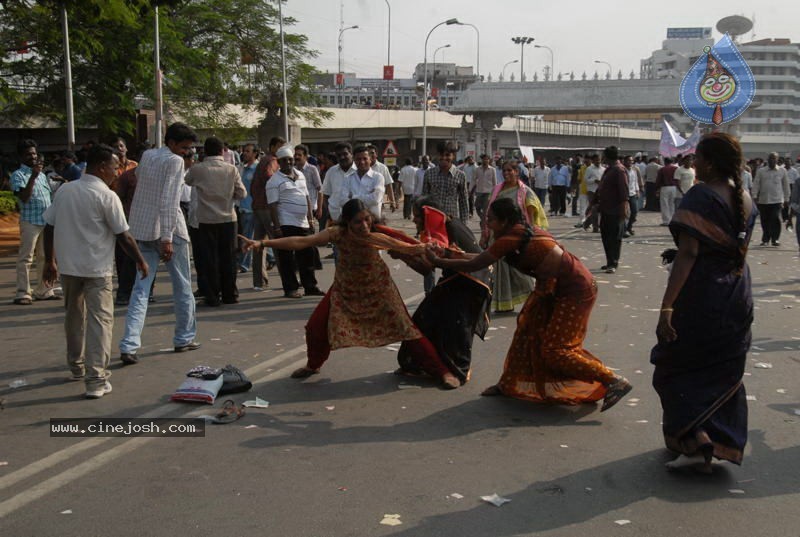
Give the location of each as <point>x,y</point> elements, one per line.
<point>591,218</point>
<point>217,249</point>
<point>611,229</point>
<point>770,221</point>
<point>651,200</point>
<point>558,203</point>
<point>301,261</point>
<point>408,205</point>
<point>199,262</point>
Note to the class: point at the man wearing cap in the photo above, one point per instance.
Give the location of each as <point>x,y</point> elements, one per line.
<point>290,210</point>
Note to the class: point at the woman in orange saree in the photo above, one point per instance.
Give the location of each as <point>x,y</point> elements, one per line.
<point>546,361</point>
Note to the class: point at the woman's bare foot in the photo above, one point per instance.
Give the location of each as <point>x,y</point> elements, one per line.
<point>304,372</point>
<point>492,391</point>
<point>450,382</point>
<point>696,462</point>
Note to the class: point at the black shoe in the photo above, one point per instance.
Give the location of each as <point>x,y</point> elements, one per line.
<point>764,243</point>
<point>128,358</point>
<point>212,303</point>
<point>631,232</point>
<point>198,294</point>
<point>775,243</point>
<point>610,270</point>
<point>193,346</point>
<point>626,235</point>
<point>316,291</point>
<point>230,300</point>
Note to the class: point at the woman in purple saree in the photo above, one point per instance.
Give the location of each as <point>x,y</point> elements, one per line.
<point>704,326</point>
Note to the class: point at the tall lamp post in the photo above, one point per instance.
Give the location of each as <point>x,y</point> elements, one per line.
<point>522,41</point>
<point>339,72</point>
<point>283,75</point>
<point>68,78</point>
<point>388,48</point>
<point>478,63</point>
<point>433,69</point>
<point>552,73</point>
<point>610,69</point>
<point>506,65</point>
<point>448,22</point>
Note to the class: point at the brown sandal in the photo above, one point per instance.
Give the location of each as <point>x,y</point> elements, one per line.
<point>304,373</point>
<point>229,412</point>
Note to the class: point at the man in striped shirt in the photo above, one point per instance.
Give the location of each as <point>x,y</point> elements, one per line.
<point>157,224</point>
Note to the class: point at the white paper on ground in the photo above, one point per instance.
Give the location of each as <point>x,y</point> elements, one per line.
<point>622,522</point>
<point>763,365</point>
<point>258,403</point>
<point>495,499</point>
<point>391,520</point>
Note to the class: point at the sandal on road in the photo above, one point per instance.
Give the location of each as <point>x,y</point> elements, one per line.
<point>616,391</point>
<point>303,373</point>
<point>229,413</point>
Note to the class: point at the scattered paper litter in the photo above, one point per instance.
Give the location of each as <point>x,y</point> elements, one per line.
<point>638,371</point>
<point>252,427</point>
<point>409,387</point>
<point>495,499</point>
<point>763,365</point>
<point>622,522</point>
<point>331,407</point>
<point>167,349</point>
<point>3,463</point>
<point>492,328</point>
<point>17,383</point>
<point>456,495</point>
<point>564,445</point>
<point>343,489</point>
<point>633,400</point>
<point>746,480</point>
<point>797,411</point>
<point>216,339</point>
<point>781,390</point>
<point>757,348</point>
<point>751,398</point>
<point>391,520</point>
<point>66,512</point>
<point>641,421</point>
<point>233,331</point>
<point>736,491</point>
<point>632,404</point>
<point>620,287</point>
<point>258,403</point>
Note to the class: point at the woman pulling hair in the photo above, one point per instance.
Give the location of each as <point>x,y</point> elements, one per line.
<point>363,307</point>
<point>704,327</point>
<point>546,361</point>
<point>509,287</point>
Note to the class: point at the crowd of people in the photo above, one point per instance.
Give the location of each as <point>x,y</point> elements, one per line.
<point>230,213</point>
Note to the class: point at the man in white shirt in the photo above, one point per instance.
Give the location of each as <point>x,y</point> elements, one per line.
<point>381,168</point>
<point>290,208</point>
<point>771,192</point>
<point>407,179</point>
<point>592,178</point>
<point>685,175</point>
<point>485,181</point>
<point>635,188</point>
<point>217,185</point>
<point>313,181</point>
<point>82,227</point>
<point>650,176</point>
<point>335,188</point>
<point>157,223</point>
<point>541,175</point>
<point>366,184</point>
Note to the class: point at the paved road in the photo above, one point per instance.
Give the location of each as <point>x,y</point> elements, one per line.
<point>333,454</point>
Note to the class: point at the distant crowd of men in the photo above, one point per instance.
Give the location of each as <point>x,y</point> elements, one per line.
<point>172,205</point>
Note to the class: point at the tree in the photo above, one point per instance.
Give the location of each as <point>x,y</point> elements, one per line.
<point>213,53</point>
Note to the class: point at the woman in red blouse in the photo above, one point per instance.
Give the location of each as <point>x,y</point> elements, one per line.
<point>546,361</point>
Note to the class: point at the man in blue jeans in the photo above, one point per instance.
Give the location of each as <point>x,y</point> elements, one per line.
<point>157,224</point>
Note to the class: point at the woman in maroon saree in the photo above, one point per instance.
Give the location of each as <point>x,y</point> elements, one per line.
<point>704,327</point>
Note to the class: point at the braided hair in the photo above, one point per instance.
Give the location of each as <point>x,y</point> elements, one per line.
<point>724,154</point>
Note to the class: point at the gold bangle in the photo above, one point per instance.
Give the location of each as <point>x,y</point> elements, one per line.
<point>667,309</point>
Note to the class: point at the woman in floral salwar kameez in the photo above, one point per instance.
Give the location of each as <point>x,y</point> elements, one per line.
<point>546,361</point>
<point>363,307</point>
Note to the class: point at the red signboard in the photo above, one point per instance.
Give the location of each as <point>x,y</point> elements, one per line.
<point>388,72</point>
<point>339,79</point>
<point>434,92</point>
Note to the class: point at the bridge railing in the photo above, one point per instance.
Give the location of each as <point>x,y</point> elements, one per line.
<point>567,128</point>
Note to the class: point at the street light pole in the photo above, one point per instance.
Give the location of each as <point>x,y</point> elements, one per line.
<point>159,96</point>
<point>478,63</point>
<point>522,41</point>
<point>388,48</point>
<point>339,72</point>
<point>504,68</point>
<point>283,74</point>
<point>448,22</point>
<point>552,74</point>
<point>433,69</point>
<point>610,69</point>
<point>68,79</point>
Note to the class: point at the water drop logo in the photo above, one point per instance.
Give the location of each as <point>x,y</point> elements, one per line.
<point>720,85</point>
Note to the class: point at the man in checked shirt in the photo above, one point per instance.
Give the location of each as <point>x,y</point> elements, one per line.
<point>157,224</point>
<point>447,185</point>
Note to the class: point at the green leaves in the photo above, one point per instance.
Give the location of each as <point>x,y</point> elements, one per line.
<point>203,44</point>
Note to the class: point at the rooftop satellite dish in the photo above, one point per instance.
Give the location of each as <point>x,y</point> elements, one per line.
<point>734,25</point>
